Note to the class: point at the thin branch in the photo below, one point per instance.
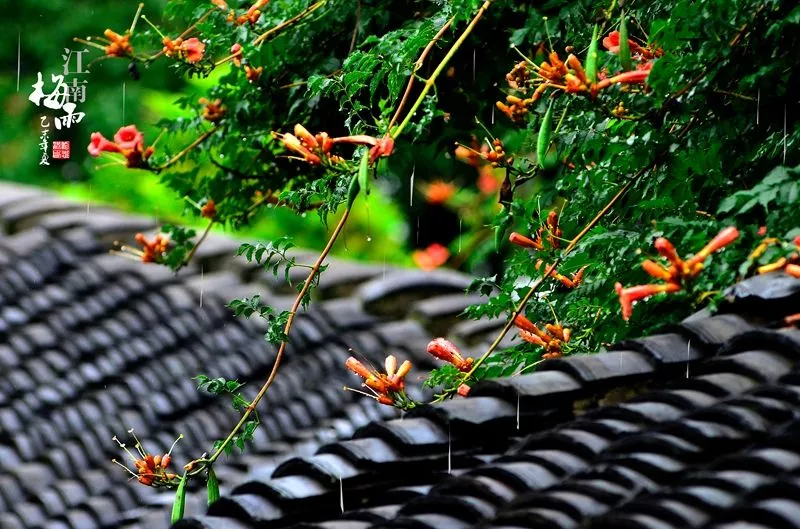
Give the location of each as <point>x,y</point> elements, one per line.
<point>290,320</point>
<point>417,66</point>
<point>200,139</point>
<point>733,43</point>
<point>432,79</point>
<point>355,29</point>
<point>202,238</point>
<point>297,18</point>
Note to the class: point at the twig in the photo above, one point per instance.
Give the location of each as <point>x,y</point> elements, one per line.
<point>432,79</point>
<point>417,66</point>
<point>290,320</point>
<point>198,21</point>
<point>136,18</point>
<point>297,18</point>
<point>355,29</point>
<point>193,251</point>
<point>733,43</point>
<point>200,139</point>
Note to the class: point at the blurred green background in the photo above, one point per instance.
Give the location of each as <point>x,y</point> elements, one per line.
<point>39,31</point>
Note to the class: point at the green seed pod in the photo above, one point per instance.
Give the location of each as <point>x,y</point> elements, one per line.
<point>212,486</point>
<point>352,193</point>
<point>363,172</point>
<point>624,45</point>
<point>180,501</point>
<point>551,159</point>
<point>591,57</point>
<point>545,136</point>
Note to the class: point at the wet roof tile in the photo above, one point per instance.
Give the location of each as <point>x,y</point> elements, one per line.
<point>698,433</point>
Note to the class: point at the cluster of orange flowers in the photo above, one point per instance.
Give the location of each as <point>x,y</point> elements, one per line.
<point>789,264</point>
<point>676,274</point>
<point>213,111</point>
<point>118,45</point>
<point>314,149</point>
<point>470,155</point>
<point>251,16</point>
<point>149,470</point>
<point>151,251</point>
<point>252,74</point>
<point>537,243</point>
<point>484,160</point>
<point>552,339</point>
<point>551,234</point>
<point>387,388</point>
<point>190,49</point>
<point>570,76</point>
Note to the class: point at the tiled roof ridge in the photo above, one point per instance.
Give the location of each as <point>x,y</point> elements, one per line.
<point>94,344</point>
<point>452,434</point>
<point>476,454</point>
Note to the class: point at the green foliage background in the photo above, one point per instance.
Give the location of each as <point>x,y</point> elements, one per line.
<point>41,30</point>
<point>714,137</point>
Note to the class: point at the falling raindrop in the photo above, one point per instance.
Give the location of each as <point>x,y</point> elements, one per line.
<point>449,451</point>
<point>341,494</point>
<point>474,53</point>
<point>517,410</point>
<point>784,133</point>
<point>492,114</point>
<point>688,348</point>
<point>411,186</point>
<point>369,223</point>
<point>202,273</point>
<point>758,106</point>
<point>19,56</point>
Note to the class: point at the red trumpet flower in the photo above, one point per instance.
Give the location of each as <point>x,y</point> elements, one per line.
<point>128,141</point>
<point>627,296</point>
<point>550,228</point>
<point>612,42</point>
<point>447,351</point>
<point>676,274</point>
